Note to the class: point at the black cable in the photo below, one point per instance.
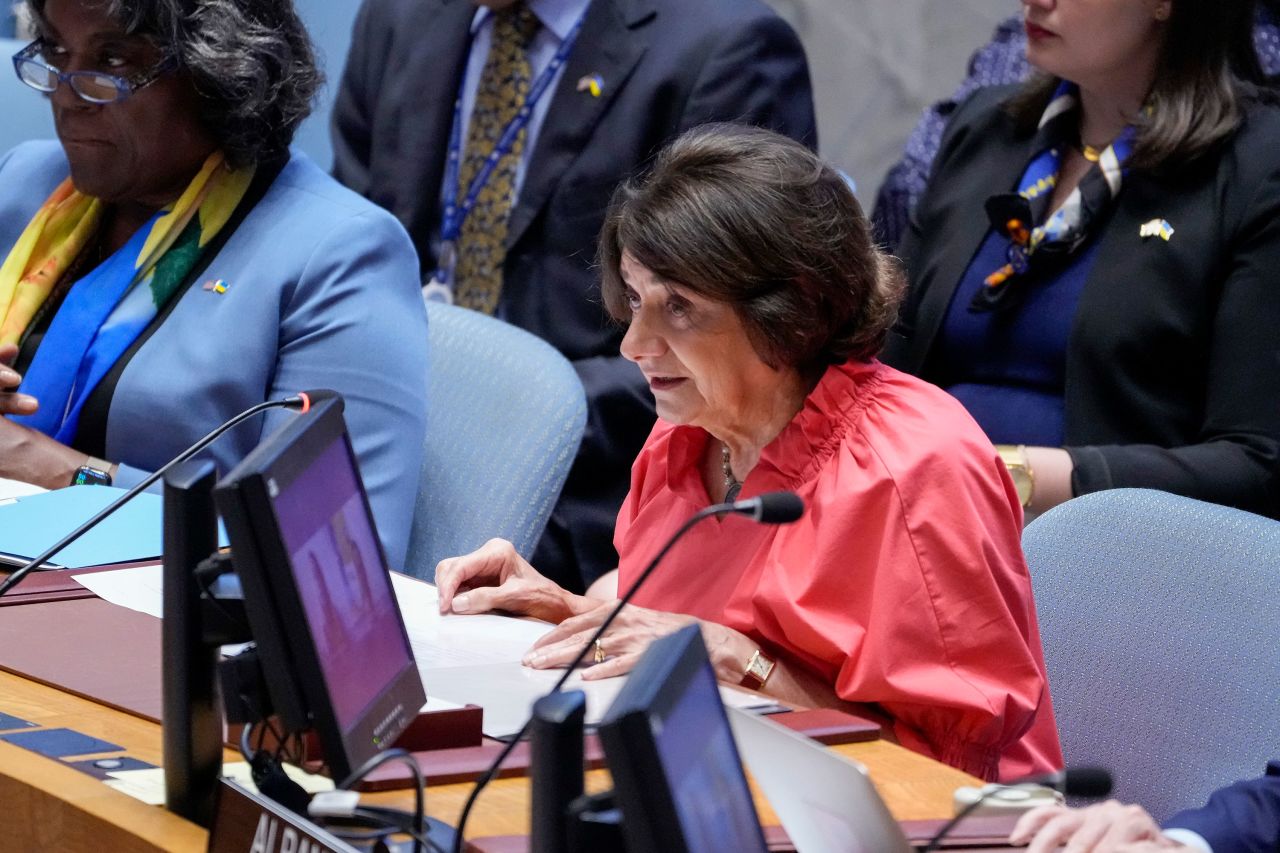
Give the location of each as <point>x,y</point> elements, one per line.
<point>419,792</point>
<point>385,822</point>
<point>245,752</point>
<point>207,572</point>
<point>936,841</point>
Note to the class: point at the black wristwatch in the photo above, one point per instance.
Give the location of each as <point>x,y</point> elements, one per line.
<point>94,472</point>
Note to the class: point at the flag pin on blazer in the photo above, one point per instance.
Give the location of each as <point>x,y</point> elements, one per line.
<point>592,83</point>
<point>1156,228</point>
<point>215,285</point>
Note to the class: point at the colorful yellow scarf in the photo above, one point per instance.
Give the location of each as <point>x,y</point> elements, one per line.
<point>106,309</point>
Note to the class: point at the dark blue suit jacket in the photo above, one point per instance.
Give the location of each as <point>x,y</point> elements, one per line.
<point>667,66</point>
<point>1241,818</point>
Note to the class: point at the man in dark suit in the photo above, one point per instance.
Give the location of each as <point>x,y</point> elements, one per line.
<point>1241,818</point>
<point>638,74</point>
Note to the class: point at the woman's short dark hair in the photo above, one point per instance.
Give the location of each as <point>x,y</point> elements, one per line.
<point>251,61</point>
<point>755,220</point>
<point>1207,68</point>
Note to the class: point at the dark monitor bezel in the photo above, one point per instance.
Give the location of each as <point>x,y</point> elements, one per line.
<point>650,820</point>
<point>277,618</point>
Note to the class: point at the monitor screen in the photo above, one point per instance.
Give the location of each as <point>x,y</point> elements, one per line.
<point>337,565</point>
<point>701,764</point>
<point>334,651</point>
<point>677,774</point>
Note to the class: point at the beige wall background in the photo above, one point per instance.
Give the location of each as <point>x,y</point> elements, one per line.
<point>877,63</point>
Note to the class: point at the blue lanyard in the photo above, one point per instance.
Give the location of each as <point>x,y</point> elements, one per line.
<point>455,214</point>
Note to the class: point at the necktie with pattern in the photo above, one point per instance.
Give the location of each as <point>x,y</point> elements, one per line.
<point>502,90</point>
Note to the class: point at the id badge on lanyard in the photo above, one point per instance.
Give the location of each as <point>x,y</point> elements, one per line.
<point>440,287</point>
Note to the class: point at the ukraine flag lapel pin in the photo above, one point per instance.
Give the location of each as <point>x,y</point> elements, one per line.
<point>1156,228</point>
<point>592,83</point>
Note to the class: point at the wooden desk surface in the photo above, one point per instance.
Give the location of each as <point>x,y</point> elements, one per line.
<point>49,806</point>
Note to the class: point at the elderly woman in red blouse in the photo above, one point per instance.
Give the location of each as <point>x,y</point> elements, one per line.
<point>755,303</point>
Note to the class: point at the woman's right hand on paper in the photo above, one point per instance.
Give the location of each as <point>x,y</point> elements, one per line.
<point>495,577</point>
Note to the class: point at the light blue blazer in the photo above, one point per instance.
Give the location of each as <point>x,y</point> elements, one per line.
<point>321,292</point>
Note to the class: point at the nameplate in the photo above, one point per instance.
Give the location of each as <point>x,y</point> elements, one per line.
<point>246,822</point>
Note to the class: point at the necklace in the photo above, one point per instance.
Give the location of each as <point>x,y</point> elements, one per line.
<point>1090,153</point>
<point>732,485</point>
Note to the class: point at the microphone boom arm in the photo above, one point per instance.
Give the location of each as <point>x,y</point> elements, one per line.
<point>302,400</point>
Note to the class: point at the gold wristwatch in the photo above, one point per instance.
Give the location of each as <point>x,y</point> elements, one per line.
<point>1014,457</point>
<point>759,668</point>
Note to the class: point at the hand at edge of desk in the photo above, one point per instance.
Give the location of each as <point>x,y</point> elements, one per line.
<point>1110,827</point>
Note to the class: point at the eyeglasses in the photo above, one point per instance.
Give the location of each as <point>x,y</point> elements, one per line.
<point>96,87</point>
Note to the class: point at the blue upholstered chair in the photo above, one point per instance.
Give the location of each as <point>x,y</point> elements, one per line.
<point>1160,617</point>
<point>26,112</point>
<point>505,414</point>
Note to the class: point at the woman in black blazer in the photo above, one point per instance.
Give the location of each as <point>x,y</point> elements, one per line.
<point>1095,267</point>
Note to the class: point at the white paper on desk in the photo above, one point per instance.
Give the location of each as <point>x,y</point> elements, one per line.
<point>148,785</point>
<point>11,490</point>
<point>461,659</point>
<point>476,660</point>
<point>140,588</point>
<point>460,641</point>
<point>507,692</point>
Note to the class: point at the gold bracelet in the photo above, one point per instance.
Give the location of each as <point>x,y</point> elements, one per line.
<point>1018,464</point>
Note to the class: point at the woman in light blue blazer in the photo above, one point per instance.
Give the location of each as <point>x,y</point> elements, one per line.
<point>168,262</point>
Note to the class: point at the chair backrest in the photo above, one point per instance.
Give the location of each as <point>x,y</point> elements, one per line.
<point>505,415</point>
<point>27,114</point>
<point>1160,617</point>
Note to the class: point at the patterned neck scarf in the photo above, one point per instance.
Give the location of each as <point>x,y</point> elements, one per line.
<point>1013,214</point>
<point>110,306</point>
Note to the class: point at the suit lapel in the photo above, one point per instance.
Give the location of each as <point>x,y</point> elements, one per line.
<point>434,71</point>
<point>999,163</point>
<point>610,44</point>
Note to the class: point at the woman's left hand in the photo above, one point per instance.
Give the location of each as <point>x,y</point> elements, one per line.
<point>623,644</point>
<point>32,457</point>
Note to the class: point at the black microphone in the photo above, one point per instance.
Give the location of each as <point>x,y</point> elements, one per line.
<point>302,401</point>
<point>1090,782</point>
<point>768,508</point>
<point>771,508</point>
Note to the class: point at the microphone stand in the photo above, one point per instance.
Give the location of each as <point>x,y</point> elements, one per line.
<point>1079,782</point>
<point>755,509</point>
<point>302,401</point>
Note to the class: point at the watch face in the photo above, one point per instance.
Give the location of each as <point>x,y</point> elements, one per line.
<point>87,476</point>
<point>759,667</point>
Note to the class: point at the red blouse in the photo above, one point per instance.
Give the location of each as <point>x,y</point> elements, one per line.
<point>904,583</point>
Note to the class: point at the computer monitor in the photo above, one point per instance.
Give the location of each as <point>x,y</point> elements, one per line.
<point>335,654</point>
<point>677,776</point>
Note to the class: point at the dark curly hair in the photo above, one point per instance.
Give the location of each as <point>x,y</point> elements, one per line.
<point>755,220</point>
<point>251,61</point>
